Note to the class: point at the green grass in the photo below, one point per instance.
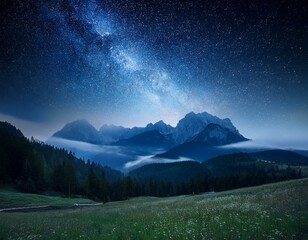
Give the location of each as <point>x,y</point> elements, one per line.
<point>12,199</point>
<point>275,211</point>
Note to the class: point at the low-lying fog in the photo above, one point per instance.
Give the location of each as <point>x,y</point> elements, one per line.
<point>126,158</point>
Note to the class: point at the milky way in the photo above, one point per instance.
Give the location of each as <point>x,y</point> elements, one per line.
<point>132,62</point>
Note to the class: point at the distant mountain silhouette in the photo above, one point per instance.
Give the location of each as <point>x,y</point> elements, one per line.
<point>216,135</point>
<point>112,133</point>
<point>194,128</point>
<point>148,138</point>
<point>194,123</point>
<point>80,130</point>
<point>161,127</point>
<point>202,146</point>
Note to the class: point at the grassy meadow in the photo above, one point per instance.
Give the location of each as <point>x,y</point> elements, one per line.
<point>13,199</point>
<point>274,211</point>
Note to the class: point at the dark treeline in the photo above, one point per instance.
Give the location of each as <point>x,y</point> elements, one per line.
<point>35,167</point>
<point>161,188</point>
<point>217,174</point>
<point>247,176</point>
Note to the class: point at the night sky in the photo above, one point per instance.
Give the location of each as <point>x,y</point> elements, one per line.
<point>136,61</point>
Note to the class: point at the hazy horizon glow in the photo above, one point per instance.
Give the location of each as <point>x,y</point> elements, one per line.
<point>133,62</point>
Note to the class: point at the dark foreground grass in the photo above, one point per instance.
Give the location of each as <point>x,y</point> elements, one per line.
<point>13,199</point>
<point>276,211</point>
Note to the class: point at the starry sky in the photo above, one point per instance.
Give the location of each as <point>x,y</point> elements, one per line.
<point>130,62</point>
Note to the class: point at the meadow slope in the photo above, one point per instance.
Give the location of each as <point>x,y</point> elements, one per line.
<point>274,211</point>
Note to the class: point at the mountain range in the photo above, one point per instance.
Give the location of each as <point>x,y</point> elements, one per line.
<point>197,136</point>
<point>80,130</point>
<point>193,128</point>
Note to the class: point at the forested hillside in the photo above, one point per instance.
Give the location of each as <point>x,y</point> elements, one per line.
<point>32,166</point>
